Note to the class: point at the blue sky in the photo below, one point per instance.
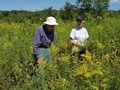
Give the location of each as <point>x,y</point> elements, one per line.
<point>34,5</point>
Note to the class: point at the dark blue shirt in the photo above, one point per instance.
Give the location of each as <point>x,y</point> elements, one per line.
<point>42,39</point>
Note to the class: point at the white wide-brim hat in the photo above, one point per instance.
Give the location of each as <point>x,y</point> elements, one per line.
<point>51,21</point>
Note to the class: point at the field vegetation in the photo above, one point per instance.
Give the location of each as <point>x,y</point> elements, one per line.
<point>100,69</point>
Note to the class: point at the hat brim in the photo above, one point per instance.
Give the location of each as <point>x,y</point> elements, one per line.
<point>50,23</point>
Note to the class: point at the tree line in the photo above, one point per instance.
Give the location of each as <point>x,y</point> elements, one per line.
<point>67,12</point>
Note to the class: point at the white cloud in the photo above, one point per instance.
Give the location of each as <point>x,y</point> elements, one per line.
<point>115,1</point>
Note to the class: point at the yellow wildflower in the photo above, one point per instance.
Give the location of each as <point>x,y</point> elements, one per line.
<point>80,70</point>
<point>100,45</point>
<point>107,56</point>
<point>95,87</point>
<point>98,63</point>
<point>87,75</point>
<point>99,72</point>
<point>104,85</point>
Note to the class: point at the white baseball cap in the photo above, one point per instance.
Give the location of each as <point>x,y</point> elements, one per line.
<point>51,21</point>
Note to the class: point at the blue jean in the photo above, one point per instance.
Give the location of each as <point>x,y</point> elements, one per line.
<point>45,54</point>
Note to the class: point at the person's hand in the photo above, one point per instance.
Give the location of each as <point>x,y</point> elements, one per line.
<point>75,49</point>
<point>39,61</point>
<point>75,42</point>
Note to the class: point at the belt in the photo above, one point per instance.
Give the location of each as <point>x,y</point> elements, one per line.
<point>43,47</point>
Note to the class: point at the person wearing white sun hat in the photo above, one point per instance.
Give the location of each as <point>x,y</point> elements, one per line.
<point>51,21</point>
<point>43,38</point>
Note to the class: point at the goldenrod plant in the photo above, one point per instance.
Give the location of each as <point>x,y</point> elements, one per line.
<point>99,70</point>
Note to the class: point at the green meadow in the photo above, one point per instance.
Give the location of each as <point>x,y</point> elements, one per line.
<point>100,69</point>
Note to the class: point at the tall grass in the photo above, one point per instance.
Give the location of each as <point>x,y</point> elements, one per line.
<point>99,70</point>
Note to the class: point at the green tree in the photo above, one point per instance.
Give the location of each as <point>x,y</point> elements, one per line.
<point>84,6</point>
<point>12,15</point>
<point>68,11</point>
<point>47,12</point>
<point>101,6</point>
<point>97,7</point>
<point>1,15</point>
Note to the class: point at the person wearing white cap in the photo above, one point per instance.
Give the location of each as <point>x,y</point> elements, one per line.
<point>78,37</point>
<point>44,36</point>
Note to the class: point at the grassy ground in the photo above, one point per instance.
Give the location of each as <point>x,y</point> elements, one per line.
<point>99,70</point>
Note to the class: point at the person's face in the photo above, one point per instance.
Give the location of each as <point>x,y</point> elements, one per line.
<point>50,27</point>
<point>80,23</point>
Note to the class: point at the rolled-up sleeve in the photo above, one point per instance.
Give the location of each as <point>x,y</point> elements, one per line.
<point>36,43</point>
<point>54,41</point>
<point>72,34</point>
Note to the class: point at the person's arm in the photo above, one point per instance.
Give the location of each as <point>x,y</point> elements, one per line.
<point>72,36</point>
<point>39,61</point>
<point>54,40</point>
<point>36,45</point>
<point>73,42</point>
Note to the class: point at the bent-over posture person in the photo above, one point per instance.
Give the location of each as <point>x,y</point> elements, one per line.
<point>43,38</point>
